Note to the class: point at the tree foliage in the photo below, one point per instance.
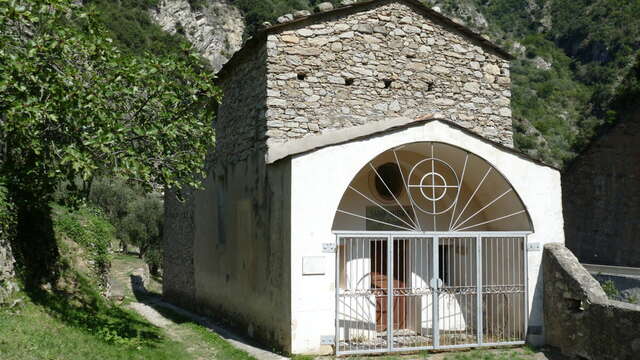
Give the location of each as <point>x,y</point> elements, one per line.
<point>136,215</point>
<point>133,30</point>
<point>73,105</point>
<point>590,45</point>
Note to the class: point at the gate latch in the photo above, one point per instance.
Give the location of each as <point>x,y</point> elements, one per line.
<point>328,248</point>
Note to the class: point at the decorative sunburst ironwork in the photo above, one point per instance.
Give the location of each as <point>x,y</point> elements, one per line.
<point>445,189</point>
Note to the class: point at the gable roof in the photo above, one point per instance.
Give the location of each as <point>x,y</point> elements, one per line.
<point>433,15</point>
<point>279,151</point>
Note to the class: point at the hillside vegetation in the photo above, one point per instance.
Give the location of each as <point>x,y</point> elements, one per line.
<point>589,47</point>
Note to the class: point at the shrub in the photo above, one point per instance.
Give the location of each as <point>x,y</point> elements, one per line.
<point>89,228</point>
<point>610,289</point>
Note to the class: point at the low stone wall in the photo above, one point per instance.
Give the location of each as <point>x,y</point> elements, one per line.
<point>7,275</point>
<point>579,319</point>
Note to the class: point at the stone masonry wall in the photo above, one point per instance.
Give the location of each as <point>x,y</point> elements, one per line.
<point>178,285</point>
<point>240,121</point>
<point>578,317</point>
<point>601,198</point>
<point>7,275</point>
<point>8,283</point>
<point>383,62</point>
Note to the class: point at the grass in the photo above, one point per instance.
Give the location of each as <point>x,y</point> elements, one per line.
<point>32,331</point>
<point>224,350</point>
<point>490,355</point>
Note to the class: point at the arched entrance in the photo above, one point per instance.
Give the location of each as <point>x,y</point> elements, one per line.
<point>431,246</point>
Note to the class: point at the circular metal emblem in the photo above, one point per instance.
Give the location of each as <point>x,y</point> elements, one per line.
<point>433,186</point>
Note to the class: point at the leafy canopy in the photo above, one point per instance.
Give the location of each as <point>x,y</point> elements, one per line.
<point>73,105</point>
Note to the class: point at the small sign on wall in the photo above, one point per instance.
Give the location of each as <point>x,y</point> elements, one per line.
<point>534,246</point>
<point>313,265</point>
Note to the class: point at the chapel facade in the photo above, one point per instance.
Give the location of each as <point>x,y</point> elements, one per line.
<point>364,195</point>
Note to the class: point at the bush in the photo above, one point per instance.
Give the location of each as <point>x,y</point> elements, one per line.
<point>610,289</point>
<point>90,229</point>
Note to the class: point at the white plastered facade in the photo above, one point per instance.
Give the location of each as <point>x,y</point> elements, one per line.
<point>319,179</point>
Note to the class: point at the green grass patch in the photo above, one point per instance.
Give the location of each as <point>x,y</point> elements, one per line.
<point>224,350</point>
<point>490,355</point>
<point>33,331</point>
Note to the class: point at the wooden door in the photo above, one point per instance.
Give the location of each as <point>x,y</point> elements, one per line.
<point>379,282</point>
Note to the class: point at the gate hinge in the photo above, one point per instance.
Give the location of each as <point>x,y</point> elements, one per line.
<point>328,248</point>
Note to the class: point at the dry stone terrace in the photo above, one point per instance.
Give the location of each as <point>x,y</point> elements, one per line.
<point>385,62</point>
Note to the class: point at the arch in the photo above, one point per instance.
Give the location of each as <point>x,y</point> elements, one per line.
<point>445,188</point>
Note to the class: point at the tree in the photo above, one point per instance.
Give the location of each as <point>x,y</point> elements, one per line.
<point>143,223</point>
<point>72,106</point>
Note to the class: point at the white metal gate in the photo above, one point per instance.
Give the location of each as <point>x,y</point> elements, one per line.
<point>417,291</point>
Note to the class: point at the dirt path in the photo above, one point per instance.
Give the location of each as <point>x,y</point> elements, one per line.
<point>134,288</point>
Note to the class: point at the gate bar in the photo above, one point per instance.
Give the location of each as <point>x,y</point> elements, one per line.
<point>479,310</point>
<point>337,300</point>
<point>434,284</point>
<point>390,265</point>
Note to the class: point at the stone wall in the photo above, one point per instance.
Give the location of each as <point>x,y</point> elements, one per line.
<point>579,319</point>
<point>240,120</point>
<point>7,274</point>
<point>378,63</point>
<point>601,195</point>
<point>178,280</point>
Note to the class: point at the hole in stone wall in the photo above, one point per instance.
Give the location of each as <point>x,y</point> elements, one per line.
<point>348,81</point>
<point>575,305</point>
<point>387,83</point>
<point>429,86</point>
<point>302,76</point>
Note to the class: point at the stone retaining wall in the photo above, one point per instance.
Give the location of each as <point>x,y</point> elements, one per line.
<point>579,319</point>
<point>7,273</point>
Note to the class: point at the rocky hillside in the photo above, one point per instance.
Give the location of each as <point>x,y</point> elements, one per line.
<point>216,29</point>
<point>571,55</point>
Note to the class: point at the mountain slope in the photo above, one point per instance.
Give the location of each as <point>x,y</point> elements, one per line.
<point>571,55</point>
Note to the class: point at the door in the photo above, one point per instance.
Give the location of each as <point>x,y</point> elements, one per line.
<point>380,282</point>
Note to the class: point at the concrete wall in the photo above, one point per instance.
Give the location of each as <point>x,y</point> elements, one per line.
<point>579,319</point>
<point>331,74</point>
<point>241,248</point>
<point>318,183</point>
<point>601,194</point>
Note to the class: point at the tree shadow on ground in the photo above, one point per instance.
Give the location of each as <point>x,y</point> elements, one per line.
<point>181,316</point>
<point>51,282</point>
